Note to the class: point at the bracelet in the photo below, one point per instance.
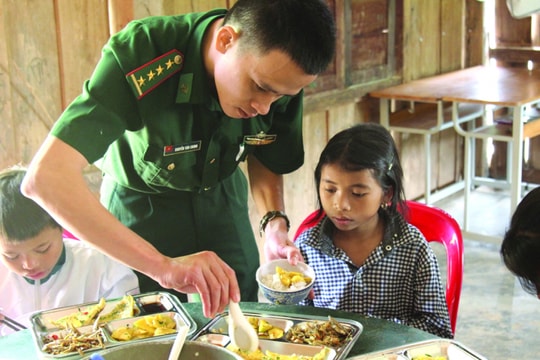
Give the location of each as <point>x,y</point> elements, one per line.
<point>271,215</point>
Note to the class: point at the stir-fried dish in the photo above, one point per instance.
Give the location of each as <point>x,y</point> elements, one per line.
<point>72,341</point>
<point>327,333</point>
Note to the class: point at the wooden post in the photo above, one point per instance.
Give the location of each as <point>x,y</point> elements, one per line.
<point>120,13</point>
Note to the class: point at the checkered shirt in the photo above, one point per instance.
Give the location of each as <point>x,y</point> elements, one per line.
<point>399,281</point>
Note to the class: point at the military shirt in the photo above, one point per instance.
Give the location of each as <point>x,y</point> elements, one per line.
<point>150,118</point>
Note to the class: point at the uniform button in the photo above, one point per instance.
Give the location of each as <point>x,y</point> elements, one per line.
<point>177,59</point>
<point>171,166</point>
<point>213,161</point>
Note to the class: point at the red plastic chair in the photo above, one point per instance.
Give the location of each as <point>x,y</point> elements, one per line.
<point>436,225</point>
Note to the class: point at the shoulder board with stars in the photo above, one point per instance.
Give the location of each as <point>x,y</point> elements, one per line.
<point>147,77</point>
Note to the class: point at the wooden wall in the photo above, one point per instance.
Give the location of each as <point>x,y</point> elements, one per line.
<point>49,47</point>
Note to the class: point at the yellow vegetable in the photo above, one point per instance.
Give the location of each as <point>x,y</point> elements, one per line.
<point>288,278</point>
<point>264,326</point>
<point>145,327</point>
<point>265,329</point>
<point>275,333</point>
<point>122,334</point>
<point>163,331</point>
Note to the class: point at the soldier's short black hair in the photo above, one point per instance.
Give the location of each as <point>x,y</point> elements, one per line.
<point>303,29</point>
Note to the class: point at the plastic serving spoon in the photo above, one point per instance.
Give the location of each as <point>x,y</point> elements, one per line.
<point>178,343</point>
<point>242,334</point>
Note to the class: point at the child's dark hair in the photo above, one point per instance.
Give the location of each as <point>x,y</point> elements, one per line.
<point>367,146</point>
<point>20,217</point>
<point>303,29</point>
<point>520,248</point>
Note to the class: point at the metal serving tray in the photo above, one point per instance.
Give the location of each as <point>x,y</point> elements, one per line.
<point>450,349</point>
<point>215,332</point>
<point>147,304</point>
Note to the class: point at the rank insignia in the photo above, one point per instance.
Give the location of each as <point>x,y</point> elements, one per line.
<point>147,77</point>
<point>259,139</point>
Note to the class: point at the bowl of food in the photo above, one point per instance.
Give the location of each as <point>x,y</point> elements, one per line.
<point>159,350</point>
<point>283,283</point>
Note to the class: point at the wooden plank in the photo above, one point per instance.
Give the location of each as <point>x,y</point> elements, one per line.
<point>80,42</point>
<point>120,13</point>
<point>8,145</point>
<point>516,55</point>
<point>508,30</point>
<point>369,41</point>
<point>411,149</point>
<point>183,7</point>
<point>421,43</point>
<point>474,33</point>
<point>300,190</point>
<point>31,45</point>
<point>447,158</point>
<point>452,37</point>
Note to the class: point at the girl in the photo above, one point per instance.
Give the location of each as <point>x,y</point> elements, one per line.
<point>366,257</point>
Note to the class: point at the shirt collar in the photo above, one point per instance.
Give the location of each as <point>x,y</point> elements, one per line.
<point>193,83</point>
<point>61,261</point>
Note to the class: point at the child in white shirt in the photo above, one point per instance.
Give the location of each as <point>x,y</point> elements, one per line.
<point>39,269</point>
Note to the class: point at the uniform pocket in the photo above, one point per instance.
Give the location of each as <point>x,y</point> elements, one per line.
<point>161,170</point>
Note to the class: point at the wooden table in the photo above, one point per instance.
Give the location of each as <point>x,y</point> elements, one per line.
<point>513,88</point>
<point>377,334</point>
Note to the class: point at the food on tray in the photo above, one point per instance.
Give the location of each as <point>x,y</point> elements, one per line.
<point>327,333</point>
<point>81,317</point>
<point>265,329</point>
<point>284,280</point>
<point>269,355</point>
<point>429,357</point>
<point>146,327</point>
<point>72,341</point>
<point>124,309</point>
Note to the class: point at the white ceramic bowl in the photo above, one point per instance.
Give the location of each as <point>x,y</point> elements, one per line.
<point>288,297</point>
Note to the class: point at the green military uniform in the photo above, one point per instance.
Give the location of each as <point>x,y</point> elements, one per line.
<point>168,152</point>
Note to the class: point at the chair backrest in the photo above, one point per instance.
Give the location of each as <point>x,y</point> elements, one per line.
<point>436,225</point>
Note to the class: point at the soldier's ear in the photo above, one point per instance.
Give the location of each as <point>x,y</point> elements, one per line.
<point>226,38</point>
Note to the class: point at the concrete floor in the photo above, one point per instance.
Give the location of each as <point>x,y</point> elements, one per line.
<point>496,317</point>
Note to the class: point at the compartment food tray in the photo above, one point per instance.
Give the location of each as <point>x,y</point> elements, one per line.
<point>147,304</point>
<point>216,332</point>
<point>449,349</point>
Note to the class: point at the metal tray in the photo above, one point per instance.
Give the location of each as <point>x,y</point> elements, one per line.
<point>450,349</point>
<point>147,304</point>
<point>215,332</point>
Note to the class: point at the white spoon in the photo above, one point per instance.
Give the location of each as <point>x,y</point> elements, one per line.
<point>242,334</point>
<point>178,342</point>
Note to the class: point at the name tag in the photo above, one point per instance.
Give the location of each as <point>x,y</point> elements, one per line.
<point>183,148</point>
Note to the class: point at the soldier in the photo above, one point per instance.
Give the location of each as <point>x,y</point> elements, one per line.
<point>172,108</point>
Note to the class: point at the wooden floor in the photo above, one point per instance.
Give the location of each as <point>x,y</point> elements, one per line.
<point>496,317</point>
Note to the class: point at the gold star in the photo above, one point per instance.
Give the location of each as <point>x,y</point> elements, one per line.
<point>159,70</point>
<point>140,80</point>
<point>169,63</point>
<point>150,75</point>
